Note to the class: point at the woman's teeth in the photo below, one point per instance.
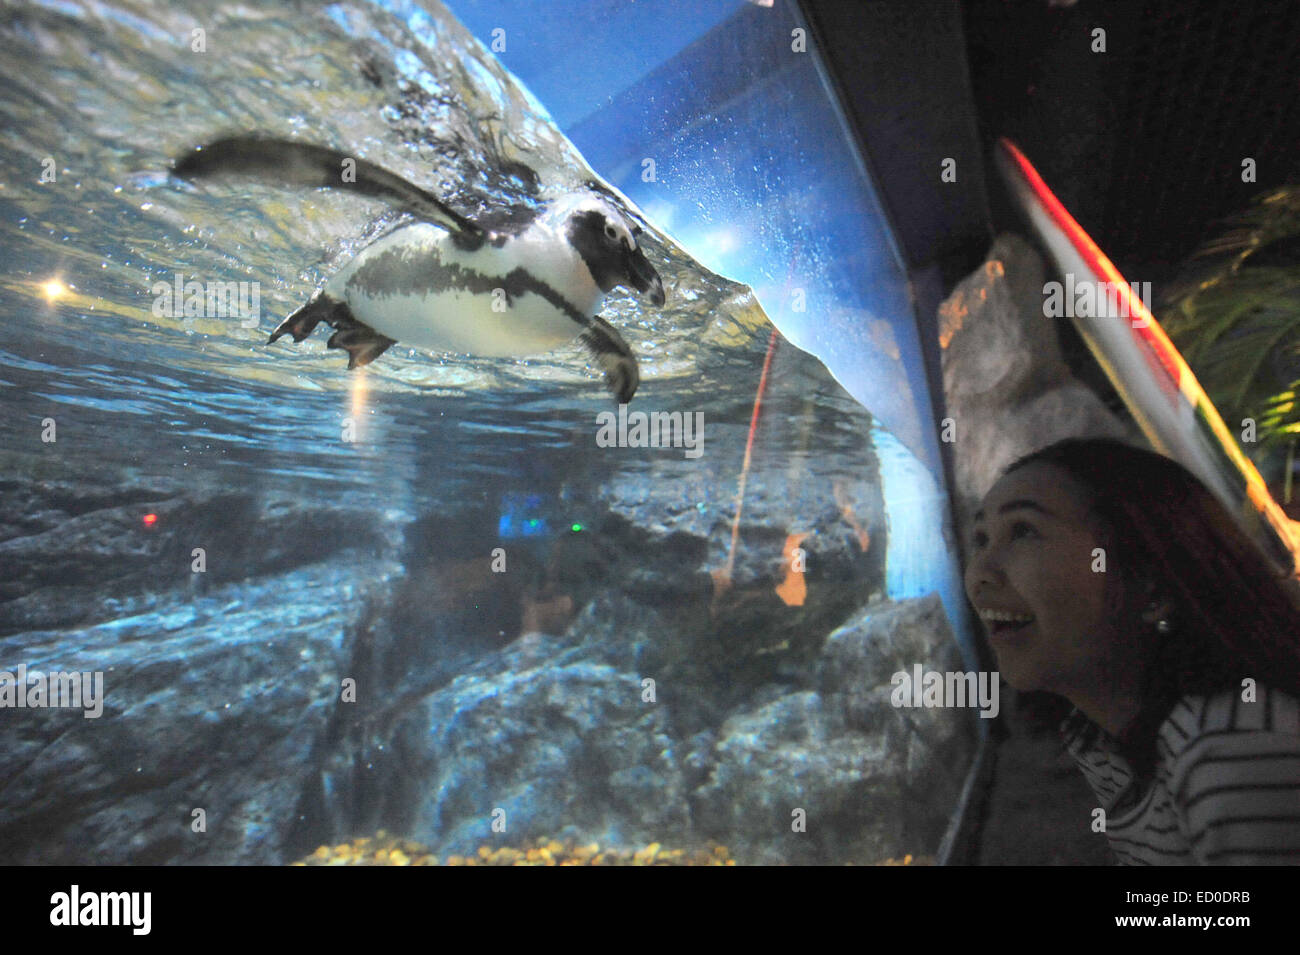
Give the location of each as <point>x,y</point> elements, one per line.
<point>998,620</point>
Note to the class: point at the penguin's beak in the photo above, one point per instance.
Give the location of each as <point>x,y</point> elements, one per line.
<point>644,278</point>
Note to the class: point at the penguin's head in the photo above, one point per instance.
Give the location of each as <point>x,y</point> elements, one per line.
<point>606,240</point>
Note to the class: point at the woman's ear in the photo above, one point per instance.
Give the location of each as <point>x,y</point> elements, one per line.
<point>1155,606</point>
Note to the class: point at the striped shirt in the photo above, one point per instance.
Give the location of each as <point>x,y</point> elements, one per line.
<point>1226,787</point>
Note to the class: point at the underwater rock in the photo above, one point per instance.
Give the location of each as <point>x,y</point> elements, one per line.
<point>843,753</point>
<point>363,779</point>
<point>552,729</point>
<point>568,749</point>
<point>86,553</point>
<point>391,759</point>
<point>215,703</point>
<point>556,732</point>
<point>735,600</point>
<point>835,499</point>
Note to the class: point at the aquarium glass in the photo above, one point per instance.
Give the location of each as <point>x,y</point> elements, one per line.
<point>449,606</point>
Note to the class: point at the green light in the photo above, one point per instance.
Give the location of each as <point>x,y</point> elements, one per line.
<point>576,528</point>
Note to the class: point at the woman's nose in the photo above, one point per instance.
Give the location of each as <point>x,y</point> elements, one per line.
<point>982,567</point>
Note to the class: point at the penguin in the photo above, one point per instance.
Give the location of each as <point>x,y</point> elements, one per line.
<point>447,283</point>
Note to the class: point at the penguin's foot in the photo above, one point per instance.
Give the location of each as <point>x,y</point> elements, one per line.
<point>362,343</point>
<point>609,350</point>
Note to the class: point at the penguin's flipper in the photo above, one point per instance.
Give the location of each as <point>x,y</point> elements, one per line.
<point>363,343</point>
<point>609,350</point>
<point>285,162</point>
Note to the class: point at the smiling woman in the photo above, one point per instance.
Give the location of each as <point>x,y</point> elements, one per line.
<point>1110,576</point>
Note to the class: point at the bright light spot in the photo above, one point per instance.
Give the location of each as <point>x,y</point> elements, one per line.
<point>661,214</point>
<point>723,242</point>
<point>713,249</point>
<point>150,520</point>
<point>360,394</point>
<point>53,289</point>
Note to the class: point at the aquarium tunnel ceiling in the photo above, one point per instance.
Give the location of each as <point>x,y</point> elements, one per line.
<point>718,121</point>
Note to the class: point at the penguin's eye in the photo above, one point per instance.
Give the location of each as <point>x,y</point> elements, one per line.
<point>611,232</point>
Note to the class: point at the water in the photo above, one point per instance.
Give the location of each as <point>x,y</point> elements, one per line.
<point>233,531</point>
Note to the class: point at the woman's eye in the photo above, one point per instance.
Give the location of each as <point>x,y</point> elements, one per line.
<point>979,538</point>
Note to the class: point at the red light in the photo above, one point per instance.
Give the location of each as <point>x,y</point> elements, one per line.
<point>150,520</point>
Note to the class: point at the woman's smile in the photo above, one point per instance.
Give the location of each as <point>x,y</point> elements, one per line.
<point>1009,634</point>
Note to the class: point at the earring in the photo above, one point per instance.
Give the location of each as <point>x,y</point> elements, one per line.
<point>1163,626</point>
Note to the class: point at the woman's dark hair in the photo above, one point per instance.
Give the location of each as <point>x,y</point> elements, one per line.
<point>1165,536</point>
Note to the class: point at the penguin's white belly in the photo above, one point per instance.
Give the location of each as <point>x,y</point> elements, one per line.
<point>417,287</point>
